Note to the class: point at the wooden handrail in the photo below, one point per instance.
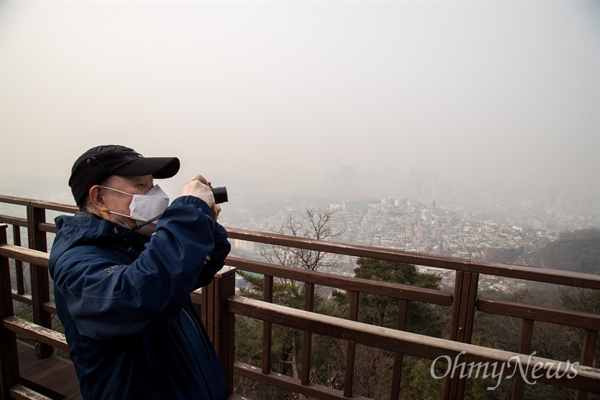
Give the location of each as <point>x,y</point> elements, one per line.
<point>573,319</point>
<point>24,254</point>
<point>566,278</point>
<point>47,205</point>
<point>36,332</point>
<point>585,378</point>
<point>344,283</point>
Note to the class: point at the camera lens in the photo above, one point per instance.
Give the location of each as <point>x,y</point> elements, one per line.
<point>220,194</point>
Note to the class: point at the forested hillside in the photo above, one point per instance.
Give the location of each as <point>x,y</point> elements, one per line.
<point>577,251</point>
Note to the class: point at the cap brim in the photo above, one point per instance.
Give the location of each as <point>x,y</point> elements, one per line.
<point>158,167</point>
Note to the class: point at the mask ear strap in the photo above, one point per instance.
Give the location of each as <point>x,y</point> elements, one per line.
<point>116,190</point>
<point>146,223</point>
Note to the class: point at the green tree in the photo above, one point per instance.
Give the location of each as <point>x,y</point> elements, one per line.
<point>374,367</point>
<point>383,311</point>
<point>420,384</point>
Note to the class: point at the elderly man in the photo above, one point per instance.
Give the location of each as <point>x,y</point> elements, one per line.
<point>123,269</point>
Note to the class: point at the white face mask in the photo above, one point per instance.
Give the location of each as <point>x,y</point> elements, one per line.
<point>145,208</point>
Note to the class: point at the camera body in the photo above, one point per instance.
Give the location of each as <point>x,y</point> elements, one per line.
<point>220,194</point>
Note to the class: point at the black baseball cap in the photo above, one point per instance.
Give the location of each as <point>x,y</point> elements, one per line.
<point>100,162</point>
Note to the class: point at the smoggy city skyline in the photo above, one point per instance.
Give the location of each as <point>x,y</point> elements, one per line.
<point>348,96</point>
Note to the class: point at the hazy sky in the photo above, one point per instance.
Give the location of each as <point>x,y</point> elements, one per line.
<point>277,92</point>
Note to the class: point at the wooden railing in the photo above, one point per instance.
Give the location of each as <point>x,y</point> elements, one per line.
<point>219,305</point>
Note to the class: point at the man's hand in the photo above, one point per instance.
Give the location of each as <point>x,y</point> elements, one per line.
<point>199,187</point>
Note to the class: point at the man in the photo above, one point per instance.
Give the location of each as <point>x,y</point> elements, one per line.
<point>123,269</point>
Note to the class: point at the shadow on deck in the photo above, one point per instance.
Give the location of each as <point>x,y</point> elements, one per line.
<point>53,377</point>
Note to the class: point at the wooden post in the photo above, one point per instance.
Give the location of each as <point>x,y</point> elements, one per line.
<point>9,361</point>
<point>40,281</point>
<point>223,326</point>
<point>461,327</point>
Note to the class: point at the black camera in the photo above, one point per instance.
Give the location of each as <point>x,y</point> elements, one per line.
<point>220,194</point>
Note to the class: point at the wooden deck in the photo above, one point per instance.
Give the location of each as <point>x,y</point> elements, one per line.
<point>53,376</point>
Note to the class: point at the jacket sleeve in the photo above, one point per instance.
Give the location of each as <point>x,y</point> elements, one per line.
<point>216,259</point>
<point>110,300</point>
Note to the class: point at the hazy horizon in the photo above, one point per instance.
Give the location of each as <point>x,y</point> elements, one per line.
<point>356,98</point>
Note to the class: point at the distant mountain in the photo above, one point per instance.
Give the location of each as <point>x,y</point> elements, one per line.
<point>577,251</point>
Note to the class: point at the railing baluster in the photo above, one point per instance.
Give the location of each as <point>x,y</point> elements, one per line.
<point>397,372</point>
<point>351,347</point>
<point>267,333</point>
<point>18,263</point>
<point>9,361</point>
<point>309,291</point>
<point>588,351</point>
<point>524,348</point>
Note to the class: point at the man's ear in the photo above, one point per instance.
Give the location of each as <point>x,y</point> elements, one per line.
<point>96,197</point>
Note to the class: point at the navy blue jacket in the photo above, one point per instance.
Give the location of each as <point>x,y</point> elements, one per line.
<point>124,301</point>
